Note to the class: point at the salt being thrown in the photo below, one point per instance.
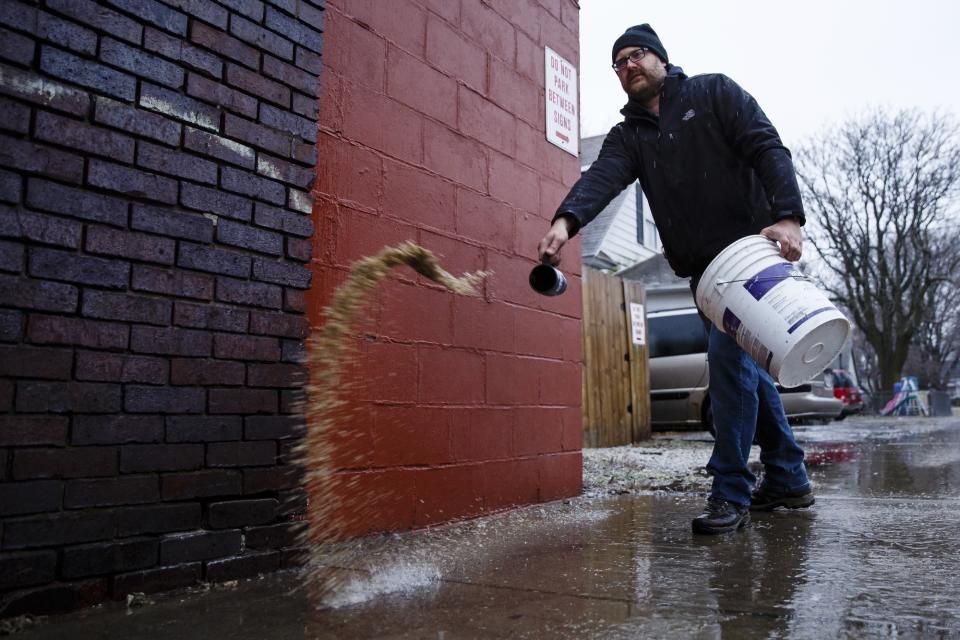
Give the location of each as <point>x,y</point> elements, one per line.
<point>328,347</point>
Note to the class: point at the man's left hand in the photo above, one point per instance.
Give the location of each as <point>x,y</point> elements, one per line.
<point>787,233</point>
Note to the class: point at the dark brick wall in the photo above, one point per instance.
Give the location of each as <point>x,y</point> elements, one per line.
<point>156,161</point>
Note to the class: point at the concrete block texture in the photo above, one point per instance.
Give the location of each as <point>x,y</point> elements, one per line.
<point>431,129</point>
<point>156,158</point>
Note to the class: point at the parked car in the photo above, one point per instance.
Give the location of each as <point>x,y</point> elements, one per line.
<point>811,401</point>
<point>679,376</point>
<point>847,391</point>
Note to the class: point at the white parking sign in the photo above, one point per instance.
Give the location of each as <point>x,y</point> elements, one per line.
<point>562,114</point>
<point>637,324</point>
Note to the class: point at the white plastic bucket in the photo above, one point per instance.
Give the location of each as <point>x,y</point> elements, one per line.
<point>780,318</point>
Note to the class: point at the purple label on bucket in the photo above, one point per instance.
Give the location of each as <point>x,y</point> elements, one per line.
<point>807,317</point>
<point>768,278</point>
<point>731,323</point>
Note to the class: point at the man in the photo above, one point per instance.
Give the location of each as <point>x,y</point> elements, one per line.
<point>714,170</point>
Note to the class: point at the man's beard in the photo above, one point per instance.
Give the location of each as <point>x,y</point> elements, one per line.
<point>647,90</point>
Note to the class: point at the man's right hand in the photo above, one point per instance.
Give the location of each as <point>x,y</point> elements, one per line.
<point>558,235</point>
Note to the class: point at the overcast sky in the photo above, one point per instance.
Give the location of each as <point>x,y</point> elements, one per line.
<point>808,63</point>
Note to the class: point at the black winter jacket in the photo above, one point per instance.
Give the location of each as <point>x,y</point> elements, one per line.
<point>712,166</point>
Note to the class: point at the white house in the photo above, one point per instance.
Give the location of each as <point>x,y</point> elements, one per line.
<point>623,234</point>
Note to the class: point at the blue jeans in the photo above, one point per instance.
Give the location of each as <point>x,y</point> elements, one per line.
<point>746,404</point>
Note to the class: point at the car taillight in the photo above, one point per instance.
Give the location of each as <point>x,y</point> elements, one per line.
<point>846,394</point>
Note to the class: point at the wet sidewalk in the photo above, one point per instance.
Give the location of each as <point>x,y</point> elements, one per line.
<point>876,556</point>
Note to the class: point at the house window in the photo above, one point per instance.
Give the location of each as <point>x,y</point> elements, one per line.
<point>638,194</point>
<point>647,235</point>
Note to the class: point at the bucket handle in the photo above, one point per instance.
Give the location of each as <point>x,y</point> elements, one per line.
<point>801,277</point>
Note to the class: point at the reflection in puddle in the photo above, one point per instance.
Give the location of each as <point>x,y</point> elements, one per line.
<point>829,454</point>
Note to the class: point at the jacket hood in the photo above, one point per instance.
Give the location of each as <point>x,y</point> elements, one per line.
<point>633,109</point>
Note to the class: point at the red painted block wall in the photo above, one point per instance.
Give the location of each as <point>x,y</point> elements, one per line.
<point>432,130</point>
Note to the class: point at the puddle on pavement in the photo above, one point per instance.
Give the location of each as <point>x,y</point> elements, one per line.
<point>892,459</point>
<point>874,557</point>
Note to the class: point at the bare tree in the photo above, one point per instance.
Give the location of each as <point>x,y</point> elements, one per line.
<point>868,374</point>
<point>880,192</point>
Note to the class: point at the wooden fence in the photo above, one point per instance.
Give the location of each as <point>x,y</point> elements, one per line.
<point>616,382</point>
